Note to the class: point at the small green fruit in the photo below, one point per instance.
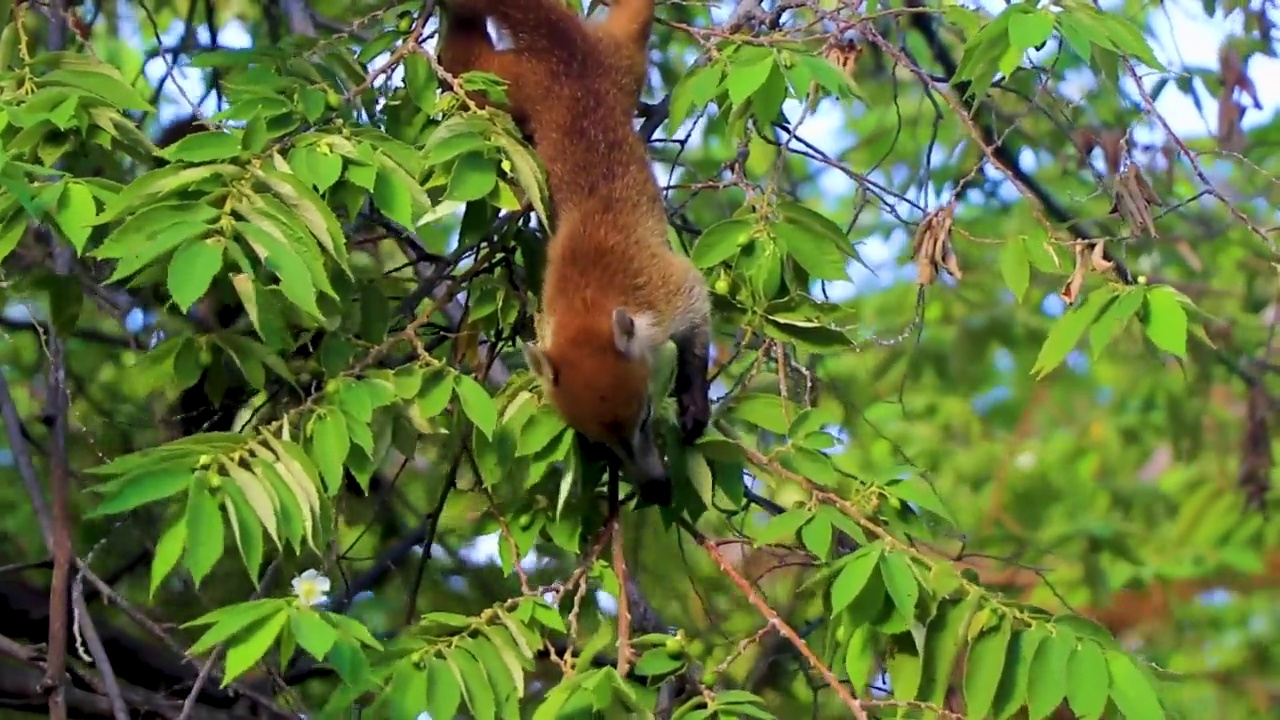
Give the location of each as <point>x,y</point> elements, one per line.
<point>332,99</point>
<point>674,647</point>
<point>697,649</point>
<point>405,22</point>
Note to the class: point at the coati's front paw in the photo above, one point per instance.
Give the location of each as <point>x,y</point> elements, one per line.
<point>657,491</point>
<point>694,414</point>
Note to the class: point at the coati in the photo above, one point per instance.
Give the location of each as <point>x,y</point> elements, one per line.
<point>613,290</point>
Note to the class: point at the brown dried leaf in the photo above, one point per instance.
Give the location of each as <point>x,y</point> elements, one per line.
<point>1133,200</point>
<point>843,54</point>
<point>1112,143</point>
<point>1085,141</point>
<point>1230,67</point>
<point>1230,131</point>
<point>932,248</point>
<point>950,261</point>
<point>1071,291</point>
<point>1098,258</point>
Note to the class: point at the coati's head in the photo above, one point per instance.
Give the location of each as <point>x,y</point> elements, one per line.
<point>597,378</point>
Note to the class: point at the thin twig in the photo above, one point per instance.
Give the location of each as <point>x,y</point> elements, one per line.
<point>625,653</point>
<point>189,705</point>
<point>119,710</point>
<point>781,625</point>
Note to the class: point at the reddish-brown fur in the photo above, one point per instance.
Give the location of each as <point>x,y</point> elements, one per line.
<point>613,289</point>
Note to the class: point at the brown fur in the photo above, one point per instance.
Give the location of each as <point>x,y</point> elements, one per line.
<point>573,86</point>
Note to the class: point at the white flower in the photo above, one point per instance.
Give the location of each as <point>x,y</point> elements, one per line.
<point>311,587</point>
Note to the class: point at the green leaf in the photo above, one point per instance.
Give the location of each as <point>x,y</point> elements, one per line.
<point>815,253</point>
<point>11,232</point>
<point>783,526</point>
<point>284,261</point>
<point>525,168</point>
<point>244,654</point>
<point>444,692</point>
<point>166,240</point>
<point>143,487</point>
<point>822,71</point>
<point>437,389</point>
<point>853,577</point>
<point>920,492</point>
<point>745,78</point>
<point>477,404</point>
<point>816,536</point>
<point>1131,690</point>
<point>983,668</point>
<point>1011,693</point>
<point>905,666</point>
<point>1087,680</point>
<point>900,581</point>
<point>1128,38</point>
<point>154,184</point>
<point>203,147</point>
<point>538,432</point>
<point>475,685</point>
<point>244,527</point>
<point>326,168</point>
<point>763,410</point>
<point>392,198</point>
<point>720,242</point>
<point>311,209</point>
<point>508,656</point>
<point>1167,321</point>
<point>1113,320</point>
<point>231,620</point>
<point>134,234</point>
<point>1076,35</point>
<point>568,479</point>
<point>982,54</point>
<point>330,444</point>
<point>474,175</point>
<point>74,212</point>
<point>407,693</point>
<point>103,81</point>
<point>168,550</point>
<point>944,635</point>
<point>313,634</point>
<point>192,269</point>
<point>1067,331</point>
<point>695,89</point>
<point>1015,266</point>
<point>205,536</point>
<point>235,616</point>
<point>1029,29</point>
<point>258,495</point>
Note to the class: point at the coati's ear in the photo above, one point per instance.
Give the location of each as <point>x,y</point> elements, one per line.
<point>624,333</point>
<point>540,363</point>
